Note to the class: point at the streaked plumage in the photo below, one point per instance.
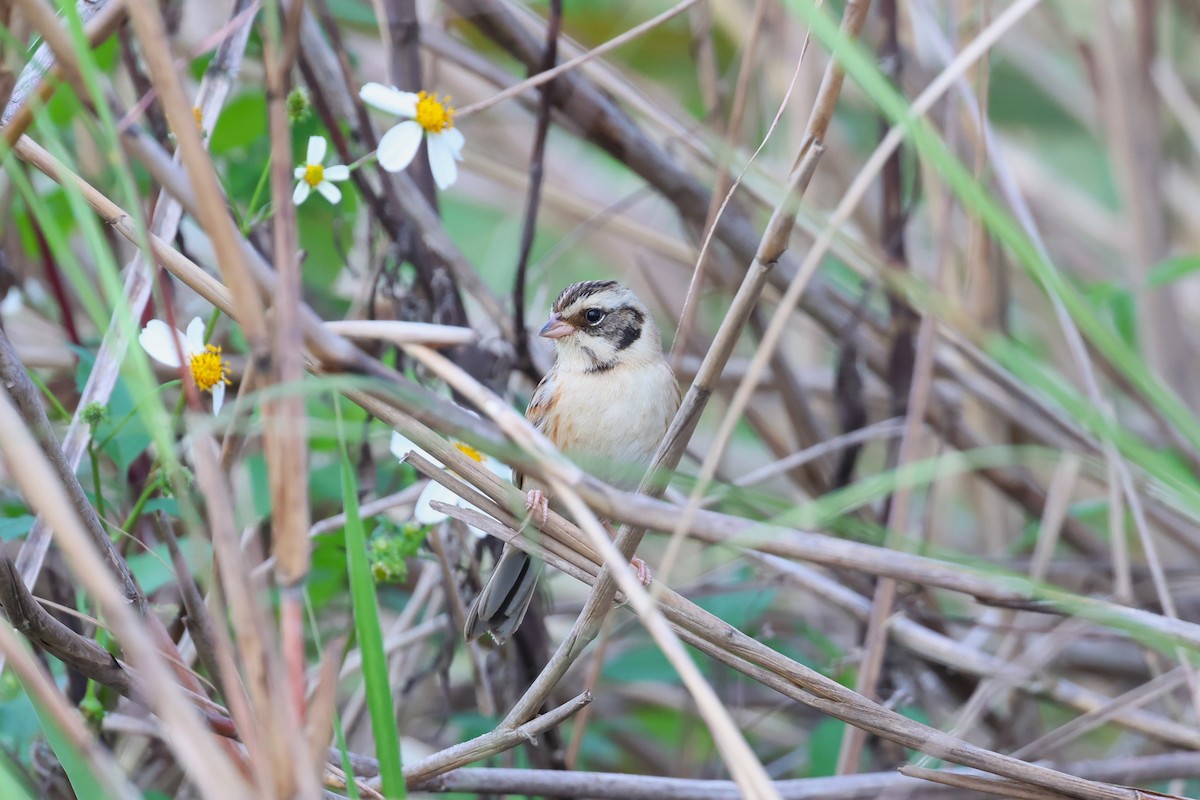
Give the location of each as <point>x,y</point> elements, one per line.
<point>606,403</point>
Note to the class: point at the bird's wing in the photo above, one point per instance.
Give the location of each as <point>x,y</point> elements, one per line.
<point>537,413</point>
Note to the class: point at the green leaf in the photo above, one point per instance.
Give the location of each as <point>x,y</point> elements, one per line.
<point>91,779</point>
<point>1173,269</point>
<point>370,642</point>
<point>11,784</point>
<point>12,527</point>
<point>823,747</point>
<point>242,123</point>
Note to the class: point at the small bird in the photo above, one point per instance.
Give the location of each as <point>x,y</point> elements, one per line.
<point>606,403</point>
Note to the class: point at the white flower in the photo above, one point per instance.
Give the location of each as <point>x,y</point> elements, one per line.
<point>314,175</point>
<point>425,115</point>
<point>13,302</point>
<point>164,344</point>
<point>424,513</point>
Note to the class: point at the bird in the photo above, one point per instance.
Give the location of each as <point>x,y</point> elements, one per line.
<point>606,403</point>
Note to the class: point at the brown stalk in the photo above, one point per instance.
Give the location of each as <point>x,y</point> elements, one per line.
<point>197,752</point>
<point>738,757</point>
<point>705,53</point>
<point>276,753</point>
<point>605,124</point>
<point>719,199</point>
<point>537,168</point>
<point>285,419</point>
<point>472,10</point>
<point>992,786</point>
<point>78,652</point>
<point>1141,695</point>
<point>29,400</point>
<point>741,652</point>
<point>39,684</point>
<point>214,89</point>
<point>870,786</point>
<point>496,741</point>
<point>37,79</point>
<point>909,386</point>
<point>774,244</point>
<point>671,449</point>
<point>800,281</point>
<point>197,618</point>
<point>213,216</point>
<point>1131,113</point>
<point>322,703</point>
<point>931,645</point>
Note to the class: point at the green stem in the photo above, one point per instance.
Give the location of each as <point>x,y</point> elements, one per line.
<point>103,443</point>
<point>94,457</point>
<point>251,210</point>
<point>60,410</point>
<point>149,489</point>
<point>364,161</point>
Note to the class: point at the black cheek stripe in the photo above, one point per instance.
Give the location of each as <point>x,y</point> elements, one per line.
<point>629,335</point>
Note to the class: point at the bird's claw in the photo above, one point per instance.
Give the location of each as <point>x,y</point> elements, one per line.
<point>643,571</point>
<point>536,501</point>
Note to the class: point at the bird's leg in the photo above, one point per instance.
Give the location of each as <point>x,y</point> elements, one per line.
<point>536,500</point>
<point>644,575</point>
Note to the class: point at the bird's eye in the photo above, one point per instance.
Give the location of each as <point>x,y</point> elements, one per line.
<point>594,316</point>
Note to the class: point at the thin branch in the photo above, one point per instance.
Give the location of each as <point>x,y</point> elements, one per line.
<point>537,166</point>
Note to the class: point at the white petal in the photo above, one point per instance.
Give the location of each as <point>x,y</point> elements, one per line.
<point>329,192</point>
<point>441,161</point>
<point>339,173</point>
<point>499,469</point>
<point>301,193</point>
<point>424,513</point>
<point>316,150</point>
<point>455,140</point>
<point>300,172</point>
<point>195,336</point>
<point>401,445</point>
<point>13,302</point>
<point>389,99</point>
<point>399,145</point>
<point>218,393</point>
<point>162,342</point>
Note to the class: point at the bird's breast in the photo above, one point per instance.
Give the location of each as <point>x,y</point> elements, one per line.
<point>610,422</point>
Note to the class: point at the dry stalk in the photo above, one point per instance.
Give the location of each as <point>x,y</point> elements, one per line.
<point>571,64</point>
<point>212,214</point>
<point>975,50</point>
<point>37,681</point>
<point>213,91</point>
<point>868,786</point>
<point>214,775</point>
<point>739,758</point>
<point>276,753</point>
<point>939,648</point>
<point>741,652</point>
<point>497,741</point>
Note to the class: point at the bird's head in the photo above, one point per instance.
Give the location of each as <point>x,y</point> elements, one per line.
<point>599,325</point>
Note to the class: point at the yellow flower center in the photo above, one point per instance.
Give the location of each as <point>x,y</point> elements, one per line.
<point>199,115</point>
<point>208,369</point>
<point>434,115</point>
<point>314,174</point>
<point>469,452</point>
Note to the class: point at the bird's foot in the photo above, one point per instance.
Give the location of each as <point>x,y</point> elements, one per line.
<point>537,502</point>
<point>643,571</point>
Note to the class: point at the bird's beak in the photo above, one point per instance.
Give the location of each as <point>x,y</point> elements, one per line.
<point>556,327</point>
